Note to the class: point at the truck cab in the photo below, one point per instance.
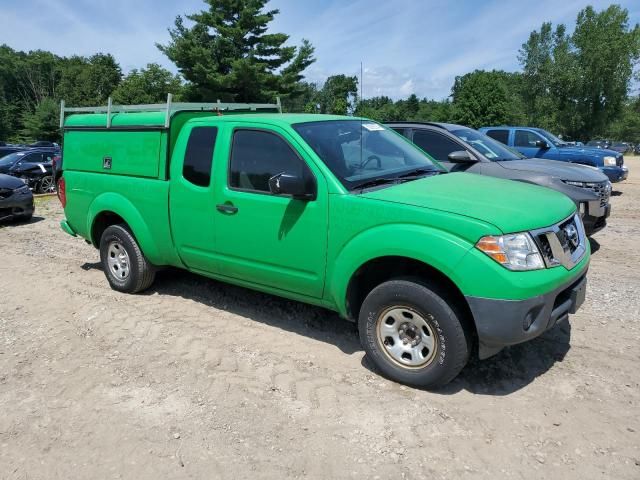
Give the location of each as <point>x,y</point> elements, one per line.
<point>335,211</point>
<point>538,143</point>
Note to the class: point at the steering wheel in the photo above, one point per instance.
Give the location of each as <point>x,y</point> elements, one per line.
<point>372,158</point>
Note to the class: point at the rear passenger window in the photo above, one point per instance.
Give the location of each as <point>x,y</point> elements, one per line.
<point>257,155</point>
<point>199,155</point>
<point>499,135</point>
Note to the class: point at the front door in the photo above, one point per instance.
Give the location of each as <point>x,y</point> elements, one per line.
<point>267,239</point>
<point>525,142</point>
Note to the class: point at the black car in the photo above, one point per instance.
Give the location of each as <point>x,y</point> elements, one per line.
<point>462,149</point>
<point>16,199</point>
<point>9,149</point>
<point>33,166</point>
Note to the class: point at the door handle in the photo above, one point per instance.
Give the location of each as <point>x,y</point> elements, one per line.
<point>226,208</point>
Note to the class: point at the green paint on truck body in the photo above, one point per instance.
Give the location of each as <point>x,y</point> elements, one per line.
<point>299,249</point>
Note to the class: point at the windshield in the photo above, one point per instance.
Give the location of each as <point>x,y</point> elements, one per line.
<point>11,159</point>
<point>552,138</point>
<point>487,146</point>
<point>359,151</point>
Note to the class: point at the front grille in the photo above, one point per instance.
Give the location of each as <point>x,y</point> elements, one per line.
<point>563,243</point>
<point>602,189</point>
<point>5,192</point>
<point>620,161</point>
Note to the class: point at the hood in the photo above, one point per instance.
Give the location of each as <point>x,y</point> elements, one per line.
<point>510,206</point>
<point>7,181</point>
<point>556,168</point>
<point>590,151</point>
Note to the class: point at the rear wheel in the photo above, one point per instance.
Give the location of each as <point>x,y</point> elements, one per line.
<point>412,334</point>
<point>124,264</point>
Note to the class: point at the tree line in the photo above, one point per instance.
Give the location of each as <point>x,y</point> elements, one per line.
<point>577,84</point>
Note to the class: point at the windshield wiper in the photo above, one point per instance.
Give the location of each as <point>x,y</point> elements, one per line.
<point>418,172</point>
<point>375,182</point>
<point>405,177</point>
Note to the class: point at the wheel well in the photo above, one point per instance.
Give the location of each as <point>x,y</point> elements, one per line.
<point>100,224</point>
<point>382,269</point>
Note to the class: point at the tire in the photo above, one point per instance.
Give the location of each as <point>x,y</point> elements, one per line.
<point>437,347</point>
<point>45,185</point>
<point>124,264</point>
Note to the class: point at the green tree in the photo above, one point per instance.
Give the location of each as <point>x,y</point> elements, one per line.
<point>382,109</point>
<point>627,126</point>
<point>88,81</point>
<point>43,122</point>
<point>338,95</point>
<point>577,84</point>
<point>435,111</point>
<point>606,50</point>
<point>304,100</point>
<point>484,98</point>
<point>148,85</point>
<point>227,54</point>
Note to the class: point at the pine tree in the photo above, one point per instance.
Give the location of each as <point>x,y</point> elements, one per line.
<point>228,55</point>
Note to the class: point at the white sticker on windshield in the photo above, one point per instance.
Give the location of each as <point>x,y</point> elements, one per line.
<point>373,127</point>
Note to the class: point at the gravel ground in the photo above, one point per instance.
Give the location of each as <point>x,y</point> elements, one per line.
<point>198,379</point>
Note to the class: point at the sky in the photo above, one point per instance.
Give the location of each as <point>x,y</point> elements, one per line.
<point>405,46</point>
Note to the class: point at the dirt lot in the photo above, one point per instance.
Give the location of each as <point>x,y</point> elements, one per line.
<point>197,379</point>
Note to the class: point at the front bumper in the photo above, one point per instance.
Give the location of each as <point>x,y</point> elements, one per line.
<point>616,174</point>
<point>16,206</point>
<point>508,322</point>
<point>596,216</point>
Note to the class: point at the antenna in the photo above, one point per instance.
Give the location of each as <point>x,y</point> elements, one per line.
<point>361,83</point>
<point>360,115</point>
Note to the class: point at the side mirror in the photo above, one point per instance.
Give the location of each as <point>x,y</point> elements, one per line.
<point>286,184</point>
<point>462,157</point>
<point>542,144</point>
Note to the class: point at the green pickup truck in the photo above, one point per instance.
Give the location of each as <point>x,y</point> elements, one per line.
<point>335,211</point>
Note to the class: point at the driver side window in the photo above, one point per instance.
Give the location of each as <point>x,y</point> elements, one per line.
<point>258,155</point>
<point>435,144</point>
<point>526,139</point>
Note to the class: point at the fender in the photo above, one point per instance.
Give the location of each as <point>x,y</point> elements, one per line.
<point>437,248</point>
<point>120,205</point>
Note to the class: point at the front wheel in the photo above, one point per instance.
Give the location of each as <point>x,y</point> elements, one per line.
<point>412,334</point>
<point>45,185</point>
<point>124,264</point>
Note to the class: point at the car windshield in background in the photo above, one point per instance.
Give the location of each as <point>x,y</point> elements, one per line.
<point>553,139</point>
<point>487,146</point>
<point>361,152</point>
<point>11,159</point>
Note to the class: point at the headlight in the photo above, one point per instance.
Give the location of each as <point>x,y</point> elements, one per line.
<point>575,184</point>
<point>516,251</point>
<point>23,190</point>
<point>609,161</point>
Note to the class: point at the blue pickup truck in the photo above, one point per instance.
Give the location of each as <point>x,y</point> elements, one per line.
<point>538,143</point>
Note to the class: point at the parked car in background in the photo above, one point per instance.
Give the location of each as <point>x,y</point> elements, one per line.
<point>9,149</point>
<point>16,199</point>
<point>462,149</point>
<point>330,210</point>
<point>538,143</point>
<point>621,147</point>
<point>33,167</point>
<point>598,143</point>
